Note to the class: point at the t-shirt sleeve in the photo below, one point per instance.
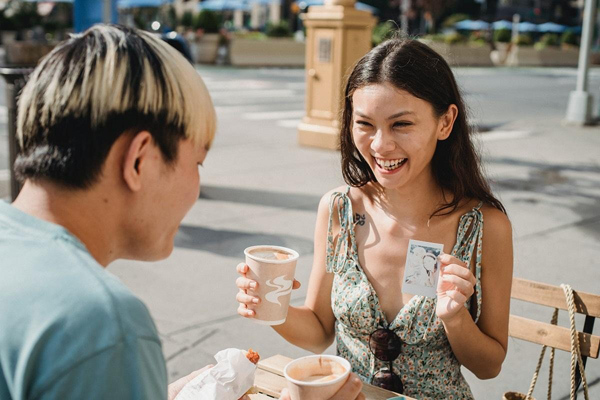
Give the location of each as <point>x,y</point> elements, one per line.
<point>132,369</point>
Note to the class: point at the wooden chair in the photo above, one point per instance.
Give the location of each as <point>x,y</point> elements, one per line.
<point>552,335</point>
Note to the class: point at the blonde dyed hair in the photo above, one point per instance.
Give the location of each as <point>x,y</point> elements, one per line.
<point>100,84</point>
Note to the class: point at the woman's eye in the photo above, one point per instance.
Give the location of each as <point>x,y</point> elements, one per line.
<point>401,124</point>
<point>363,123</point>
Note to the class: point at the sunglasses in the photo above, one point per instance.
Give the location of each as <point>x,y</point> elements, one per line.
<point>385,346</point>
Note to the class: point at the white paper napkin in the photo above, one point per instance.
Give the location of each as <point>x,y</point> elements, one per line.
<point>229,379</point>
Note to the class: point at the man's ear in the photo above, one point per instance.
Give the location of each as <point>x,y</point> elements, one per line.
<point>446,122</point>
<point>136,154</point>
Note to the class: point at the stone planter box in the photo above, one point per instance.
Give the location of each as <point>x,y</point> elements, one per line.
<point>463,55</point>
<point>204,50</point>
<point>272,52</point>
<point>26,53</point>
<point>528,56</point>
<point>8,37</point>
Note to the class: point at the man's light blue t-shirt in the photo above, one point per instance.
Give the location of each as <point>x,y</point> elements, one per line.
<point>68,328</point>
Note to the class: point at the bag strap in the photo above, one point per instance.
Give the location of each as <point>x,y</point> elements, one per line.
<point>575,349</point>
<point>539,364</point>
<point>576,360</point>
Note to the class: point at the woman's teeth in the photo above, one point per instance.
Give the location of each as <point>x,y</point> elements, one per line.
<point>390,165</point>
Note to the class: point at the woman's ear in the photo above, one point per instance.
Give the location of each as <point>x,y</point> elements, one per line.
<point>446,122</point>
<point>135,157</point>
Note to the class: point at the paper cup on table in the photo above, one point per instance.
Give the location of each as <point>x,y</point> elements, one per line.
<point>316,377</point>
<point>273,268</point>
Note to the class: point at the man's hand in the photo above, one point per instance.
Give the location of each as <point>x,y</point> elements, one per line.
<point>350,390</point>
<point>175,387</point>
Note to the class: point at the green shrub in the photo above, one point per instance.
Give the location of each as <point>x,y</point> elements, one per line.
<point>280,29</point>
<point>208,21</point>
<point>570,38</point>
<point>524,39</point>
<point>549,39</point>
<point>502,35</point>
<point>382,32</point>
<point>453,38</point>
<point>187,19</point>
<point>436,37</point>
<point>453,19</point>
<point>250,35</point>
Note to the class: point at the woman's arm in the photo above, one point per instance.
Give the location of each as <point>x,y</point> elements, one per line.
<point>312,326</point>
<point>480,347</point>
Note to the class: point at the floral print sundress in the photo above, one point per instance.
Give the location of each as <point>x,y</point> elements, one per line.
<point>426,364</point>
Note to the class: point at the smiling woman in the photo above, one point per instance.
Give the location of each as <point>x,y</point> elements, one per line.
<point>412,174</point>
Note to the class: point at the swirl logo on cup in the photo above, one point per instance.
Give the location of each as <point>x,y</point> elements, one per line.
<point>282,287</point>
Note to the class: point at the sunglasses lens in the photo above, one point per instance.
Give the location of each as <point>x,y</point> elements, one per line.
<point>386,379</point>
<point>385,345</point>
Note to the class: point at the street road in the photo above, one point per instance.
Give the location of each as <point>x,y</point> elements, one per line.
<point>496,96</point>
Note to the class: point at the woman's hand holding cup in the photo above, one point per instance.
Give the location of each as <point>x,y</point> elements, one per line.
<point>246,301</point>
<point>268,272</point>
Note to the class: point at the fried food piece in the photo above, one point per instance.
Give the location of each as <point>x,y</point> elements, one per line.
<point>252,356</point>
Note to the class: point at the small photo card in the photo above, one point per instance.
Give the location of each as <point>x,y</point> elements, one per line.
<point>422,268</point>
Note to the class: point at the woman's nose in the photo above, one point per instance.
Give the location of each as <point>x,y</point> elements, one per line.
<point>382,142</point>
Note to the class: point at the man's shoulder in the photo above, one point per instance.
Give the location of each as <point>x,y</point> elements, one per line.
<point>63,309</point>
<point>61,287</point>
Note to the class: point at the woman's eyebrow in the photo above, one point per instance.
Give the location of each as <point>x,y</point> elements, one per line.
<point>398,114</point>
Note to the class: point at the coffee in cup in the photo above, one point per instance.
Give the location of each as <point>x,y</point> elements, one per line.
<point>272,267</point>
<point>316,377</point>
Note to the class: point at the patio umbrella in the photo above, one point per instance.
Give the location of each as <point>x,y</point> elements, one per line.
<point>359,6</point>
<point>470,25</point>
<point>502,25</point>
<point>527,27</point>
<point>552,27</point>
<point>224,5</point>
<point>141,3</point>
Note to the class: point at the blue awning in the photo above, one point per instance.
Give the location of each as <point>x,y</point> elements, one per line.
<point>469,25</point>
<point>224,5</point>
<point>141,3</point>
<point>527,27</point>
<point>552,27</point>
<point>502,25</point>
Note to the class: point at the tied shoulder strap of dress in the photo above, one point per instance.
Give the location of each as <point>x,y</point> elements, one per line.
<point>339,252</point>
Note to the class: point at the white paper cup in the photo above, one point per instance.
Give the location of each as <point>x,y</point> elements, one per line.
<point>302,372</point>
<point>275,279</point>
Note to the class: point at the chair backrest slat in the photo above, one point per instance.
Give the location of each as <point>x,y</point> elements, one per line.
<point>552,335</point>
<point>553,296</point>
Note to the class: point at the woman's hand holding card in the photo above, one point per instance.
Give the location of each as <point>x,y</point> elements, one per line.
<point>455,285</point>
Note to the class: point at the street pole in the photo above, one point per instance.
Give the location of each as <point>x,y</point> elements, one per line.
<point>107,11</point>
<point>579,110</point>
<point>404,8</point>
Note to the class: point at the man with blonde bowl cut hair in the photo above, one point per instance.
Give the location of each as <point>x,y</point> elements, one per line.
<point>112,126</point>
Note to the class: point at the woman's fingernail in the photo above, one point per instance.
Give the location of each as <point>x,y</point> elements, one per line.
<point>255,300</point>
<point>253,285</point>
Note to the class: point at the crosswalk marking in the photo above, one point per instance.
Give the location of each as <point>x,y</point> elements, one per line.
<point>492,136</point>
<point>289,123</point>
<point>270,115</point>
<point>259,93</point>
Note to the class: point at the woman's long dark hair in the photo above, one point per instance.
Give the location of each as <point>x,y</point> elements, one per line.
<point>412,66</point>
